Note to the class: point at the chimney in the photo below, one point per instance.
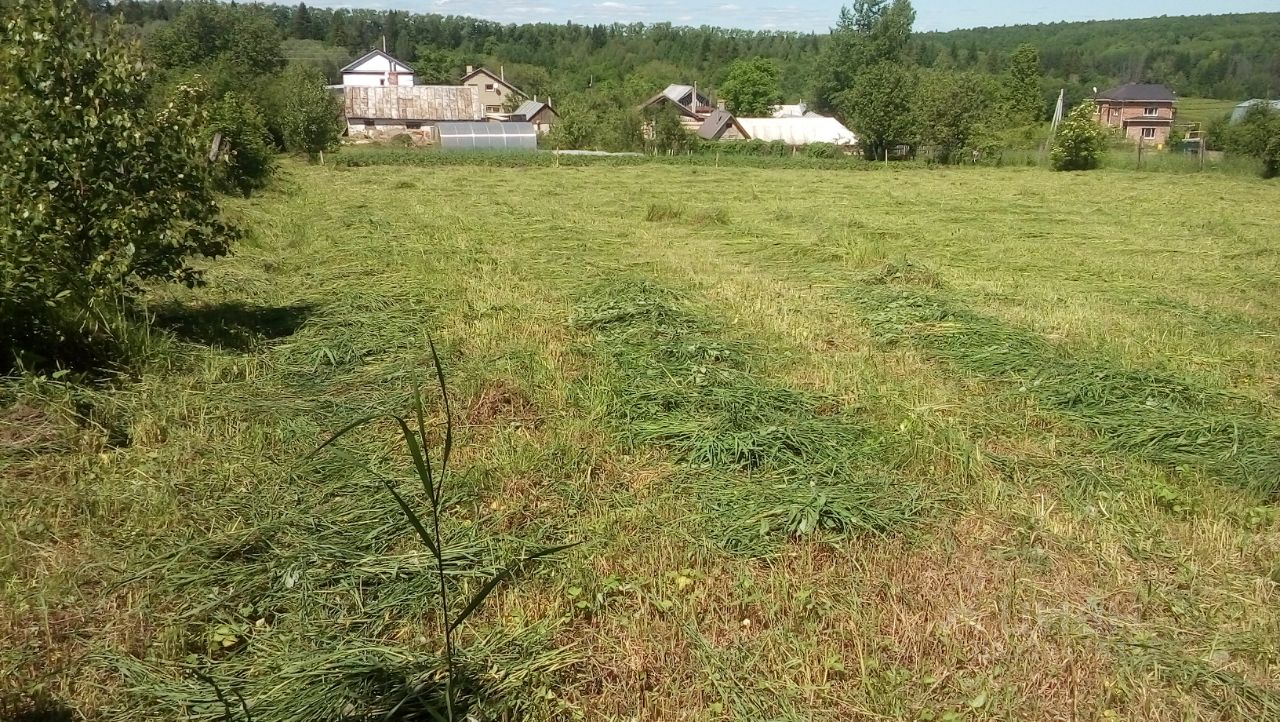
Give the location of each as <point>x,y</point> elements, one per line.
<point>502,73</point>
<point>471,69</point>
<point>720,104</point>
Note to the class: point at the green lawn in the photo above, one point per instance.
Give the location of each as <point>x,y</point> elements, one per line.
<point>928,444</point>
<point>1203,110</point>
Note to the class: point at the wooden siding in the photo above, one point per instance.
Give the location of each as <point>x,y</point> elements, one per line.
<point>416,103</point>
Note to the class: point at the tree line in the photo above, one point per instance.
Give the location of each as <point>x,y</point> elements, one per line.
<point>1222,56</point>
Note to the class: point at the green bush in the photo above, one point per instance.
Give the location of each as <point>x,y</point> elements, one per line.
<point>822,150</point>
<point>311,115</point>
<point>1257,135</point>
<point>250,158</point>
<point>1080,142</point>
<point>98,192</point>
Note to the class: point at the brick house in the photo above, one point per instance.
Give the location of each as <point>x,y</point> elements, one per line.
<point>1143,112</point>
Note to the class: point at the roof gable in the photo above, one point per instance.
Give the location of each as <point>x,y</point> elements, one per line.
<point>718,123</point>
<point>492,76</point>
<point>365,64</point>
<point>661,98</point>
<point>1138,92</point>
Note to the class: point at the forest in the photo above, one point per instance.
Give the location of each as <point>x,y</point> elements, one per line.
<point>1214,56</point>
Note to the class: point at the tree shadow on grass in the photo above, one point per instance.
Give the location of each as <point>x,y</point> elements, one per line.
<point>233,326</point>
<point>37,708</point>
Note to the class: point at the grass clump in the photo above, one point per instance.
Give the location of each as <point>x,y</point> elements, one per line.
<point>1159,416</point>
<point>663,212</point>
<point>766,460</point>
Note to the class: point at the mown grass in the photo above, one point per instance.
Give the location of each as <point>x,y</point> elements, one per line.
<point>658,359</point>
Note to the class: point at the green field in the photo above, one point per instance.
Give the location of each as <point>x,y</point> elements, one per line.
<point>1203,110</point>
<point>959,444</point>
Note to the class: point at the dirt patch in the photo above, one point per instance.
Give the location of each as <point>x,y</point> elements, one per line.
<point>26,428</point>
<point>502,402</point>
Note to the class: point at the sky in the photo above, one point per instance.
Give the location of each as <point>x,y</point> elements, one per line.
<point>805,15</point>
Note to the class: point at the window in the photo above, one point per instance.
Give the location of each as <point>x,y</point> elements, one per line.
<point>413,126</point>
<point>1148,133</point>
<point>493,108</point>
<point>489,87</point>
<point>1151,110</point>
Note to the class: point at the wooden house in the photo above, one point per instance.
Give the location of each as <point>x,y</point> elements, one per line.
<point>384,112</point>
<point>539,113</point>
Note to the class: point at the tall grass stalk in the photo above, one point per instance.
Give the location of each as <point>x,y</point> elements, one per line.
<point>432,480</point>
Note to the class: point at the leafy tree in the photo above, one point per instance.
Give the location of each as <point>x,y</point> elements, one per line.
<point>1080,140</point>
<point>1022,86</point>
<point>98,192</point>
<point>954,111</point>
<point>870,33</point>
<point>669,134</point>
<point>206,31</point>
<point>751,87</point>
<point>879,108</point>
<point>436,67</point>
<point>310,116</point>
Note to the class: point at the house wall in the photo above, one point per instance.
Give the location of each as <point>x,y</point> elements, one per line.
<point>543,120</point>
<point>1133,118</point>
<point>376,71</point>
<point>493,94</point>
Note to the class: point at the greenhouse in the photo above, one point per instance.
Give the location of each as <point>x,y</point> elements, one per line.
<point>487,136</point>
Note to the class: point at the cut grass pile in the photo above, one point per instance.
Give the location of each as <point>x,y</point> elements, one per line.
<point>1160,416</point>
<point>767,459</point>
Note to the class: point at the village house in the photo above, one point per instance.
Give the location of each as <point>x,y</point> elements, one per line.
<point>376,68</point>
<point>538,113</point>
<point>693,107</point>
<point>1142,112</point>
<point>1242,110</point>
<point>495,92</point>
<point>382,112</point>
<point>721,125</point>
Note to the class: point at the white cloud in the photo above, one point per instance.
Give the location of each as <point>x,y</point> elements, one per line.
<point>611,5</point>
<point>730,7</point>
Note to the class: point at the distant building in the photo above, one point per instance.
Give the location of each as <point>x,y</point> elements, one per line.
<point>721,125</point>
<point>1243,109</point>
<point>538,113</point>
<point>376,68</point>
<point>384,112</point>
<point>495,91</point>
<point>1142,112</point>
<point>693,107</point>
<point>799,110</point>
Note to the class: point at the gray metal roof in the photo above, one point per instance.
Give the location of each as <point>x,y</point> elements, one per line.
<point>1137,92</point>
<point>716,124</point>
<point>1242,109</point>
<point>487,136</point>
<point>530,108</point>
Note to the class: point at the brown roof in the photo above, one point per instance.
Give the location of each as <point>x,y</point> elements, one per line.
<point>718,123</point>
<point>413,102</point>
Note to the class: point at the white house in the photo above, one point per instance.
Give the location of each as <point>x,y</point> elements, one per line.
<point>376,69</point>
